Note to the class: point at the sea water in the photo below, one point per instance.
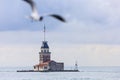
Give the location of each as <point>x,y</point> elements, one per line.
<point>86,73</point>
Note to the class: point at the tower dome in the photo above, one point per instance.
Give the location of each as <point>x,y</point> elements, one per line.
<point>44,44</point>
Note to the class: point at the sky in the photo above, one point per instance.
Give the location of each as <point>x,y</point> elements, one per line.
<point>90,36</point>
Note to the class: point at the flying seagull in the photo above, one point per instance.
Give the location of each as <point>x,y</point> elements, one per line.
<point>35,16</point>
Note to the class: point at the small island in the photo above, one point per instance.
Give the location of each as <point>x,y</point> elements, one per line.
<point>46,64</point>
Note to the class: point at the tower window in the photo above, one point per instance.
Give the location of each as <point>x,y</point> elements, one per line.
<point>44,50</point>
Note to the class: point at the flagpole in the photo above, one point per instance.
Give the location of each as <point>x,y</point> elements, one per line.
<point>44,32</point>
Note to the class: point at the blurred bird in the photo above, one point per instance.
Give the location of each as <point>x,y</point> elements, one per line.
<point>35,16</point>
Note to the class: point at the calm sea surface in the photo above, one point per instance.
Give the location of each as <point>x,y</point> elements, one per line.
<point>86,73</point>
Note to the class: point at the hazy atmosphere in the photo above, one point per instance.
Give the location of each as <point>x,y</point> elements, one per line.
<point>91,35</point>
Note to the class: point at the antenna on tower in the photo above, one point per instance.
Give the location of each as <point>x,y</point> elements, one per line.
<point>44,32</point>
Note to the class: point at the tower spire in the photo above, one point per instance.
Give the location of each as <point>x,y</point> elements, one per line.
<point>44,32</point>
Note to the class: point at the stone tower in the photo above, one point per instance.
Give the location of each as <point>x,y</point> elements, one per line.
<point>44,55</point>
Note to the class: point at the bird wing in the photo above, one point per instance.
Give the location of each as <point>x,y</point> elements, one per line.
<point>58,17</point>
<point>33,6</point>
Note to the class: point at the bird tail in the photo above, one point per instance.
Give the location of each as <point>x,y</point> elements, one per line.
<point>28,17</point>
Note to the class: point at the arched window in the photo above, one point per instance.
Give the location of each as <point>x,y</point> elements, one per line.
<point>44,50</point>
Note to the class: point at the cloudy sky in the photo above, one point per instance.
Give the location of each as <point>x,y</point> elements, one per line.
<point>91,35</point>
